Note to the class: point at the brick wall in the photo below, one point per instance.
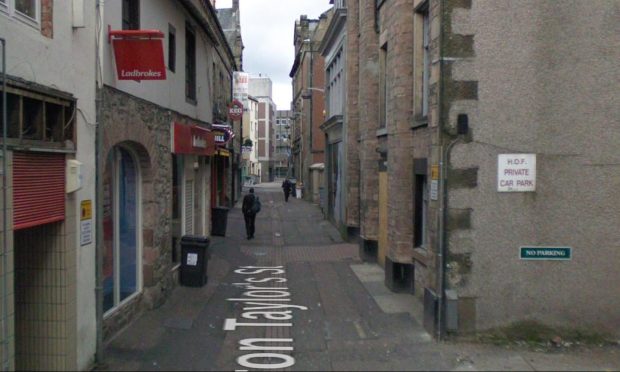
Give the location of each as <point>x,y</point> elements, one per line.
<point>368,119</point>
<point>396,28</point>
<point>47,18</point>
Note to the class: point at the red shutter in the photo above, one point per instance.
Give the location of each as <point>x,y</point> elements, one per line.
<point>38,189</point>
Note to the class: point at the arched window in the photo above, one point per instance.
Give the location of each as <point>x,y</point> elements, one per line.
<point>121,228</point>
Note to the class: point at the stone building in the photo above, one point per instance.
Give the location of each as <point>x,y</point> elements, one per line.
<point>333,48</point>
<point>163,167</point>
<point>48,228</point>
<point>471,175</point>
<point>308,74</point>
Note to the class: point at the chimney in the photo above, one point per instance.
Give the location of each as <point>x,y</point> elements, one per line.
<point>235,4</point>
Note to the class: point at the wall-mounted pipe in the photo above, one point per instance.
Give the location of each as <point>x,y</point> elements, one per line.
<point>5,227</point>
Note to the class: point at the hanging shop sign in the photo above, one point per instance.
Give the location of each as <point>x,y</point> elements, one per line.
<point>235,110</point>
<point>241,84</point>
<point>223,133</point>
<point>139,54</point>
<point>192,140</point>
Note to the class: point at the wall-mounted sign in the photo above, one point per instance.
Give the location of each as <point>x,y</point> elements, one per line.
<point>516,172</point>
<point>223,133</point>
<point>545,253</point>
<point>192,140</point>
<point>139,54</point>
<point>241,84</point>
<point>86,223</point>
<point>235,110</point>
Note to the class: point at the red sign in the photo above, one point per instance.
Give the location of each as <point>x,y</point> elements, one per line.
<point>192,140</point>
<point>139,54</point>
<point>235,110</point>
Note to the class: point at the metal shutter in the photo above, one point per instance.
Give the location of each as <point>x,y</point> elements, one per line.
<point>38,189</point>
<point>189,207</point>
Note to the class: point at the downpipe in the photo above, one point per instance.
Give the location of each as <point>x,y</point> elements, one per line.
<point>5,224</point>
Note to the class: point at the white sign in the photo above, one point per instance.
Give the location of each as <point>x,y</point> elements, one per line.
<point>241,86</point>
<point>434,189</point>
<point>192,259</point>
<point>516,172</point>
<point>86,232</point>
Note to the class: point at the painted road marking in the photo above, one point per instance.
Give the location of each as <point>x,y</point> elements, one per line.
<point>263,303</point>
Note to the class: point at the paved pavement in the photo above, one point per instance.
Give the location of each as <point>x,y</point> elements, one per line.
<point>332,312</point>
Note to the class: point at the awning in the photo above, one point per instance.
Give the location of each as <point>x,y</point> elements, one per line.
<point>139,54</point>
<point>192,140</point>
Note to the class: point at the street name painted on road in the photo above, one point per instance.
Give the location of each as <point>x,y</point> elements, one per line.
<point>265,304</point>
<point>545,253</point>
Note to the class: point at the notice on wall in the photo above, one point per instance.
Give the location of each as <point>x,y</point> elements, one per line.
<point>86,222</point>
<point>516,172</point>
<point>434,182</point>
<point>192,259</point>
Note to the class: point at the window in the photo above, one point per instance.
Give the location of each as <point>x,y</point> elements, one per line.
<point>172,48</point>
<point>190,63</point>
<point>383,91</point>
<point>420,197</point>
<point>28,11</point>
<point>423,50</point>
<point>121,255</point>
<point>131,14</point>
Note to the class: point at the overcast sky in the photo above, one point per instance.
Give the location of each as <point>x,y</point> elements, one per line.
<point>267,28</point>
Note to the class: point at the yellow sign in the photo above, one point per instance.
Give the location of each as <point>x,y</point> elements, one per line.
<point>86,210</point>
<point>434,172</point>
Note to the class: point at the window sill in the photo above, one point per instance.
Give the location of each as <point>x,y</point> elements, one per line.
<point>419,122</point>
<point>382,132</point>
<point>420,255</point>
<point>191,101</point>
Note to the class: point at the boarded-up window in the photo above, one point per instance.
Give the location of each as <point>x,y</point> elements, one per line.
<point>262,108</point>
<point>261,129</point>
<point>261,148</point>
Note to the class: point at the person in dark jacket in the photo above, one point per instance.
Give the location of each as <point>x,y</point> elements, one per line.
<point>286,187</point>
<point>248,213</point>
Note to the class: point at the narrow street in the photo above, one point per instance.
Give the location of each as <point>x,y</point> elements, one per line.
<point>352,322</point>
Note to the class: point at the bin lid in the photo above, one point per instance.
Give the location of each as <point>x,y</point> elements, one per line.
<point>221,208</point>
<point>194,239</point>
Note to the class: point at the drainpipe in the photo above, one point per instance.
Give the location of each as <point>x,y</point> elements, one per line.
<point>442,179</point>
<point>99,158</point>
<point>5,246</point>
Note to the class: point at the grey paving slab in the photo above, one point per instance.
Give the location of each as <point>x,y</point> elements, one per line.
<point>352,323</point>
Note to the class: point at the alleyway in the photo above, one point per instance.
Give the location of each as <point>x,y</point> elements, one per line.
<point>351,322</point>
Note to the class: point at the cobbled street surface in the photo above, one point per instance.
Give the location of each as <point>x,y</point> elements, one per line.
<point>352,321</point>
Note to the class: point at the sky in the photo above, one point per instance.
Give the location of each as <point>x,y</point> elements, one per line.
<point>267,28</point>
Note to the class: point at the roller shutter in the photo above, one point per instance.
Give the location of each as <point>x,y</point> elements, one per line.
<point>38,189</point>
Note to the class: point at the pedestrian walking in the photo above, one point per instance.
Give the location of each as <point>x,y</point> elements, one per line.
<point>251,206</point>
<point>286,187</point>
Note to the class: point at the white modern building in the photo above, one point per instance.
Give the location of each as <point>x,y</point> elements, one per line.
<point>261,89</point>
<point>48,228</point>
